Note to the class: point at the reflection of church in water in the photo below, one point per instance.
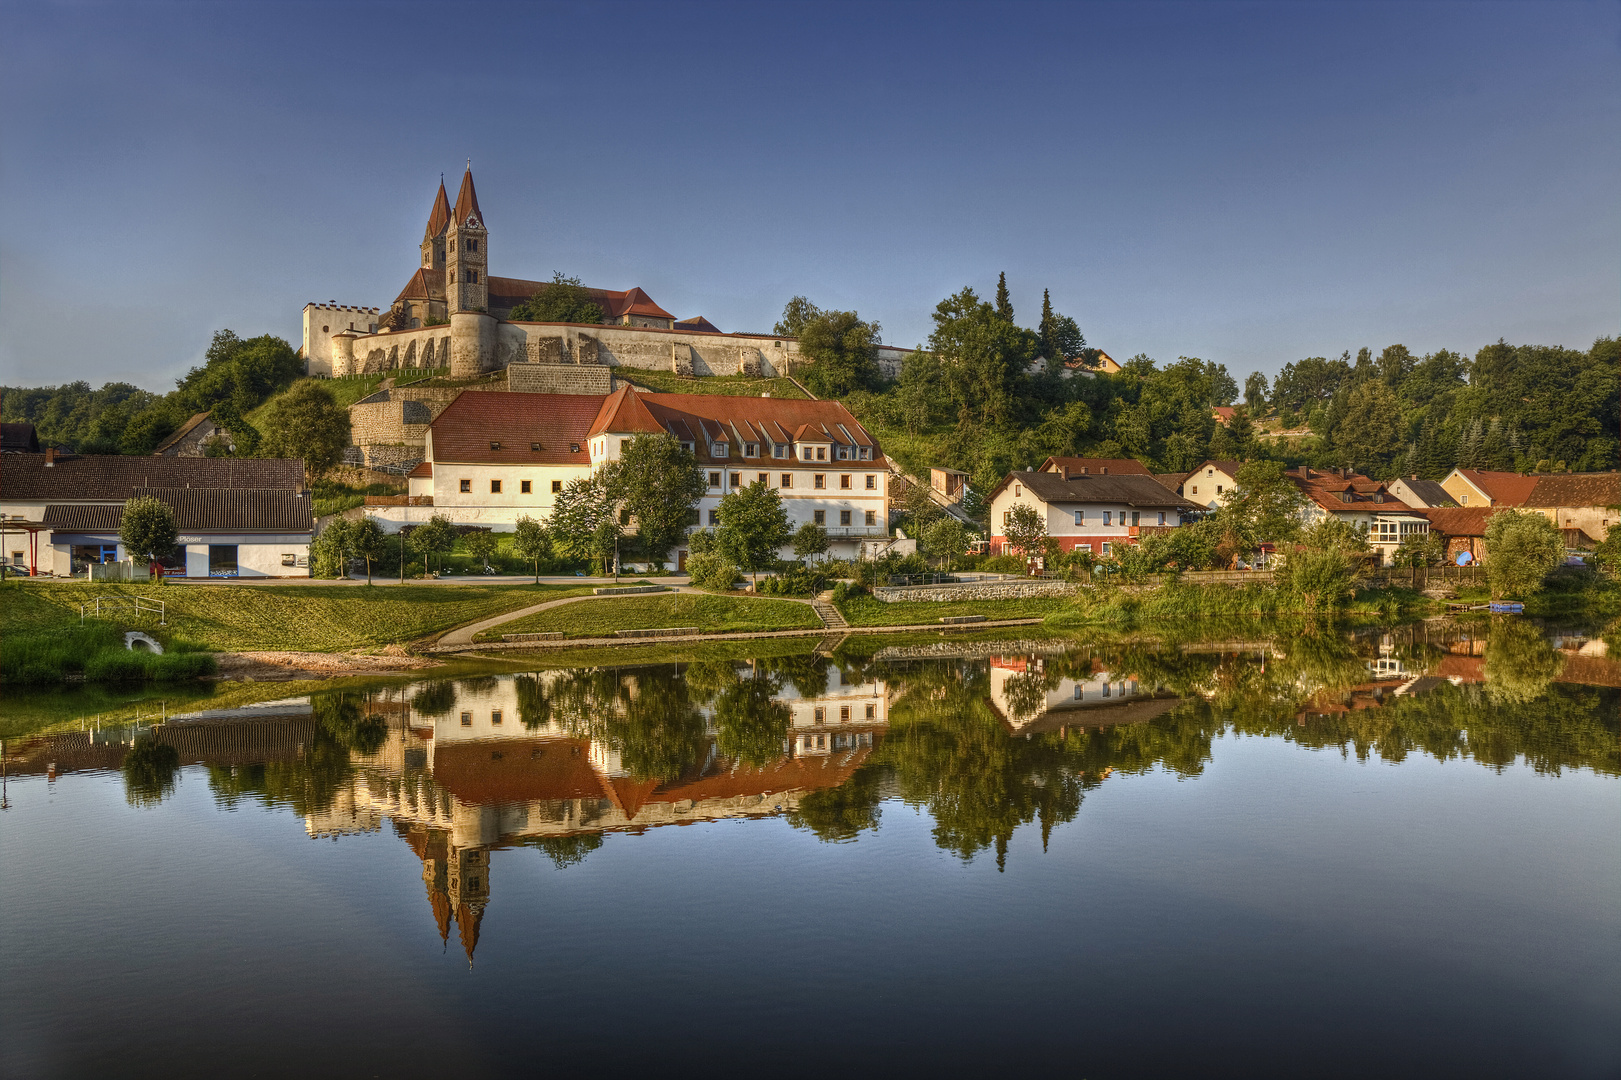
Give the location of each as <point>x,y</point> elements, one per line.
<point>459,784</point>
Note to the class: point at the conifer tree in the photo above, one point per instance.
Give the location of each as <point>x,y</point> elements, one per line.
<point>1045,330</point>
<point>1004,302</point>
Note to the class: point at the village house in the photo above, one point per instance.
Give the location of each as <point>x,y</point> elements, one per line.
<point>1093,512</point>
<point>1081,466</point>
<point>1420,493</point>
<point>1361,502</point>
<point>1210,484</point>
<point>494,457</point>
<point>195,438</point>
<point>1462,531</point>
<point>237,518</point>
<point>1580,505</point>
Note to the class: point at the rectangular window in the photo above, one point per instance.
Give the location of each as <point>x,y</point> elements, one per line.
<point>866,453</point>
<point>222,560</point>
<point>819,481</point>
<point>821,517</point>
<point>1196,489</point>
<point>820,714</point>
<point>844,482</point>
<point>1105,547</point>
<point>467,719</point>
<point>557,487</point>
<point>872,482</point>
<point>872,712</point>
<point>751,449</point>
<point>787,480</point>
<point>495,717</point>
<point>872,517</point>
<point>1136,517</point>
<point>807,454</point>
<point>1080,517</point>
<point>737,480</point>
<point>1007,516</point>
<point>714,517</point>
<point>719,449</point>
<point>844,714</point>
<point>495,487</point>
<point>844,517</point>
<point>466,486</point>
<point>765,478</point>
<point>821,742</point>
<point>821,453</point>
<point>1078,692</point>
<point>1162,517</point>
<point>526,487</point>
<point>779,449</point>
<point>714,479</point>
<point>1084,547</point>
<point>1108,517</point>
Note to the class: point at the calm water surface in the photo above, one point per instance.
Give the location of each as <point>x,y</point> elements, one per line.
<point>1305,856</point>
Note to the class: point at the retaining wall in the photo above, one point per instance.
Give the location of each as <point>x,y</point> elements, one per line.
<point>996,590</point>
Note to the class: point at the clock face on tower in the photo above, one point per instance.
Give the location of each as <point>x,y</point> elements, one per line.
<point>472,221</point>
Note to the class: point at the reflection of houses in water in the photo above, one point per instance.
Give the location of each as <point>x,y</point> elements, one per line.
<point>476,777</point>
<point>1028,701</point>
<point>1387,665</point>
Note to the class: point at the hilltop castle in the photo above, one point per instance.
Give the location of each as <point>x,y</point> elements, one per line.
<point>453,314</point>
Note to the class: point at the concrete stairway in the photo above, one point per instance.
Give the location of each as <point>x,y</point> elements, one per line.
<point>823,606</point>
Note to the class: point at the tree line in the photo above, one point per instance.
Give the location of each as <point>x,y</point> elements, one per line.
<point>236,377</point>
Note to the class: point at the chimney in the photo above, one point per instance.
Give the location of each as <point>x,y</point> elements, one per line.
<point>1063,472</point>
<point>50,457</point>
<point>1305,472</point>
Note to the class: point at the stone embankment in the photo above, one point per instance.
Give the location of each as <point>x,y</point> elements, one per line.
<point>985,590</point>
<point>950,650</point>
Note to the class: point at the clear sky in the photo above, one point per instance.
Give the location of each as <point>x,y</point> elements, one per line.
<point>1247,183</point>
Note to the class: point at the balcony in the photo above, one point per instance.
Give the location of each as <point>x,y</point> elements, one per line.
<point>857,532</point>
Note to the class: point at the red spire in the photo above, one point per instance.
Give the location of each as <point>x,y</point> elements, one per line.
<point>440,215</point>
<point>467,200</point>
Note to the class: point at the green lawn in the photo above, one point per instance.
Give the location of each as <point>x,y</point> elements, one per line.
<point>317,618</point>
<point>865,611</point>
<point>666,382</point>
<point>711,614</point>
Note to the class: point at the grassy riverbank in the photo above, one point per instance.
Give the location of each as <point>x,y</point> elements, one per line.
<point>711,614</point>
<point>305,618</point>
<point>866,611</point>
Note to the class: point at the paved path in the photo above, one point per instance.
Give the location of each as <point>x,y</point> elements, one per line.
<point>462,636</point>
<point>595,643</point>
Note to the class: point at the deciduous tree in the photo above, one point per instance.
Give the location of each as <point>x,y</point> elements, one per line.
<point>563,300</point>
<point>307,423</point>
<point>148,527</point>
<point>1522,548</point>
<point>531,541</point>
<point>753,526</point>
<point>658,483</point>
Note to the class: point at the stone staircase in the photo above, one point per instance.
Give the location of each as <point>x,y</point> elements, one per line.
<point>823,606</point>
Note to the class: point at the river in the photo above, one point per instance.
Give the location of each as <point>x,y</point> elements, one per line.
<point>1383,852</point>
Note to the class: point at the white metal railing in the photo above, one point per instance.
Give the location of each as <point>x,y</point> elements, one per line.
<point>137,604</point>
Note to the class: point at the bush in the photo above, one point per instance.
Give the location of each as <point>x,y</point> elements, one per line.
<point>1003,564</point>
<point>97,651</point>
<point>711,571</point>
<point>793,581</point>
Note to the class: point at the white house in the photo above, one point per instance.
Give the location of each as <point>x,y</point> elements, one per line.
<point>1092,512</point>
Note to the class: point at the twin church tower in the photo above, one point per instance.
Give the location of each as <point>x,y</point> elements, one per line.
<point>456,245</point>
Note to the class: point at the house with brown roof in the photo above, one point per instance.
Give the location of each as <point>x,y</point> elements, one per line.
<point>1419,493</point>
<point>1361,502</point>
<point>194,437</point>
<point>493,457</point>
<point>1082,466</point>
<point>1462,530</point>
<point>237,517</point>
<point>452,313</point>
<point>1211,483</point>
<point>1580,505</point>
<point>1095,513</point>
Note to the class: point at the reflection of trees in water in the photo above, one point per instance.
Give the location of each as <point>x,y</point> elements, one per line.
<point>150,768</point>
<point>647,714</point>
<point>1520,662</point>
<point>566,851</point>
<point>534,705</point>
<point>340,713</point>
<point>434,698</point>
<point>842,813</point>
<point>308,784</point>
<point>751,723</point>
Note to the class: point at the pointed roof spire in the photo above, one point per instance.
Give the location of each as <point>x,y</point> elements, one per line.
<point>439,216</point>
<point>467,198</point>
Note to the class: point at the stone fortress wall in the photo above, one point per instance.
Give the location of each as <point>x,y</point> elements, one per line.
<point>475,344</point>
<point>323,322</point>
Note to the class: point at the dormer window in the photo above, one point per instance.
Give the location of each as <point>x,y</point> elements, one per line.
<point>806,454</point>
<point>1346,496</point>
<point>844,453</point>
<point>534,446</point>
<point>495,444</point>
<point>779,450</point>
<point>751,449</point>
<point>866,453</point>
<point>719,449</point>
<point>574,448</point>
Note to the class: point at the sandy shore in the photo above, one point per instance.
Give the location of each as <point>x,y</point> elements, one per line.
<point>287,666</point>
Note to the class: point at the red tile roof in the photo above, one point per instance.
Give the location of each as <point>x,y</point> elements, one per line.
<point>1327,490</point>
<point>464,432</point>
<point>1459,520</point>
<point>517,770</point>
<point>1505,488</point>
<point>467,200</point>
<point>706,418</point>
<point>439,216</point>
<point>697,325</point>
<point>623,411</point>
<point>1576,489</point>
<point>424,469</point>
<point>427,284</point>
<point>1091,466</point>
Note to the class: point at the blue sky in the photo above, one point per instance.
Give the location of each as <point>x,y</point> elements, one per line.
<point>1248,183</point>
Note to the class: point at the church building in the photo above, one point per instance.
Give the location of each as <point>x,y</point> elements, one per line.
<point>453,314</point>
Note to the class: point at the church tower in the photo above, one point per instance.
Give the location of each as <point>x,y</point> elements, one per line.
<point>433,239</point>
<point>466,253</point>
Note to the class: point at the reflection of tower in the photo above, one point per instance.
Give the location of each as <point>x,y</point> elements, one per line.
<point>469,889</point>
<point>435,877</point>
